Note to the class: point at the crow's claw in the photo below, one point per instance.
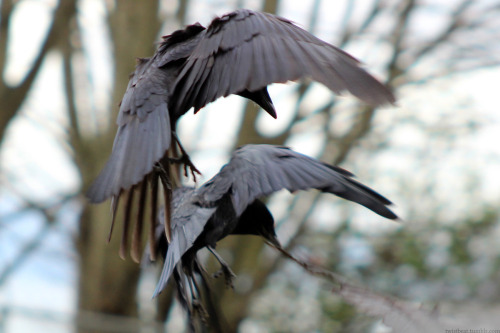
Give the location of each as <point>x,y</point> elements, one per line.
<point>228,275</point>
<point>186,162</point>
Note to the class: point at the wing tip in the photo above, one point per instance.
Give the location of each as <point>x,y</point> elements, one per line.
<point>389,214</point>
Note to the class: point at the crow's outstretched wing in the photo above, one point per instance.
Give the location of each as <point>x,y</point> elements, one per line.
<point>246,51</point>
<point>240,53</point>
<point>145,117</point>
<point>143,134</point>
<point>188,221</point>
<point>143,138</point>
<point>258,170</point>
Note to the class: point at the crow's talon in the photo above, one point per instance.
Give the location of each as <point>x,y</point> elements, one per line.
<point>228,275</point>
<point>186,161</point>
<point>200,310</point>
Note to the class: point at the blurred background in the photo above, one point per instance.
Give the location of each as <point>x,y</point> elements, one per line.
<point>436,155</point>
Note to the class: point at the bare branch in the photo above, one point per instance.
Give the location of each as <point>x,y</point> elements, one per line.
<point>49,213</point>
<point>75,136</point>
<point>13,97</point>
<point>397,314</point>
<point>26,251</point>
<point>69,88</point>
<point>457,22</point>
<point>377,7</point>
<point>400,31</point>
<point>6,14</point>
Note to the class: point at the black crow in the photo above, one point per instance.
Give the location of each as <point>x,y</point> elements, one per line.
<point>239,53</point>
<point>228,203</point>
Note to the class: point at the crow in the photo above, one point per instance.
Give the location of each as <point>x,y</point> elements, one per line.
<point>229,204</point>
<point>239,53</point>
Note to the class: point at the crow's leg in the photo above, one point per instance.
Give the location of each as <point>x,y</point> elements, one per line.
<point>215,318</point>
<point>225,269</point>
<point>184,159</point>
<point>195,298</point>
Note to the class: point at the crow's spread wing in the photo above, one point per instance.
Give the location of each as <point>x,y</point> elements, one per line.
<point>244,51</point>
<point>258,170</point>
<point>145,131</point>
<point>145,118</point>
<point>142,138</point>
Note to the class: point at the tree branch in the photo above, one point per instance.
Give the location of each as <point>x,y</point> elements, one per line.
<point>397,314</point>
<point>49,215</point>
<point>5,15</point>
<point>445,35</point>
<point>13,97</point>
<point>25,252</point>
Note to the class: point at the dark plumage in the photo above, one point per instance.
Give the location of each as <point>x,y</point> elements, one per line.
<point>228,203</point>
<point>195,298</point>
<point>239,53</point>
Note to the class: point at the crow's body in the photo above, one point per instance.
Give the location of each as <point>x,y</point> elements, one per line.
<point>228,203</point>
<point>196,299</point>
<point>239,53</point>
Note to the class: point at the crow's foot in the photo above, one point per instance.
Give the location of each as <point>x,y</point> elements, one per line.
<point>187,164</point>
<point>228,275</point>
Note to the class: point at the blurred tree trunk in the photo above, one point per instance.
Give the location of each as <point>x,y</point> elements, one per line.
<point>107,283</point>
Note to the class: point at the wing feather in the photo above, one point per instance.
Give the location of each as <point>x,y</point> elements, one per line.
<point>215,84</point>
<point>188,221</point>
<point>244,71</point>
<point>137,146</point>
<point>225,79</point>
<point>271,59</point>
<point>259,170</point>
<point>269,49</point>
